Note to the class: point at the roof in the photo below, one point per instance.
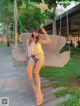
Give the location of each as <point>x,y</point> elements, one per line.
<point>72,12</point>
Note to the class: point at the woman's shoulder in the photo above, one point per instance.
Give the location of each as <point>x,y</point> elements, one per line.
<point>40,41</point>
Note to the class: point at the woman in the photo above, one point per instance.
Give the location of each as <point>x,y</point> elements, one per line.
<point>36,61</point>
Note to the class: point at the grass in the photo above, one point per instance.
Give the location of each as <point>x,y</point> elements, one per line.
<point>75,97</point>
<point>72,49</point>
<point>68,76</point>
<point>3,45</point>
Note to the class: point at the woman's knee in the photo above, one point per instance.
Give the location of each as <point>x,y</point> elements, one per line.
<point>30,68</point>
<point>29,74</point>
<point>36,73</point>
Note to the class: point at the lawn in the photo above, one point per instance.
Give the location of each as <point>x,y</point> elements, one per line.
<point>3,45</point>
<point>68,76</point>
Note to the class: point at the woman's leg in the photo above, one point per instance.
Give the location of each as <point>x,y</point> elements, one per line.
<point>37,68</point>
<point>29,73</point>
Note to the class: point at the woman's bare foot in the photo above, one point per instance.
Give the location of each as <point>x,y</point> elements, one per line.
<point>39,99</point>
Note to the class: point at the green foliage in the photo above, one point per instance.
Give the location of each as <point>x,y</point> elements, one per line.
<point>6,14</point>
<point>28,12</point>
<point>30,15</point>
<point>49,14</point>
<point>51,3</point>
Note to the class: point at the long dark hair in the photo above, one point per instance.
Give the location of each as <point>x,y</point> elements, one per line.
<point>34,31</point>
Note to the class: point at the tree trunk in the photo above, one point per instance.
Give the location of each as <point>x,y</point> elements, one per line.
<point>54,26</point>
<point>7,35</point>
<point>1,39</point>
<point>16,22</point>
<point>54,20</point>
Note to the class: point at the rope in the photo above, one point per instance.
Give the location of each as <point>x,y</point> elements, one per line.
<point>19,18</point>
<point>67,26</point>
<point>16,22</point>
<point>60,23</point>
<point>22,25</point>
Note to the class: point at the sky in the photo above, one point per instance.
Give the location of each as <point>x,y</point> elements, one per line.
<point>60,9</point>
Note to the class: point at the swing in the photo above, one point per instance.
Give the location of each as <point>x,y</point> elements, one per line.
<point>53,57</point>
<point>18,53</point>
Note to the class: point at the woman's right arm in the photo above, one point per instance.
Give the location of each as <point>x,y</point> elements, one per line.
<point>47,40</point>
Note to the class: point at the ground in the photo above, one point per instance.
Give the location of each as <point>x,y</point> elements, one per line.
<point>57,88</point>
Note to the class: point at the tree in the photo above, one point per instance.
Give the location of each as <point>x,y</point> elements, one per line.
<point>53,3</point>
<point>27,12</point>
<point>6,16</point>
<point>31,16</point>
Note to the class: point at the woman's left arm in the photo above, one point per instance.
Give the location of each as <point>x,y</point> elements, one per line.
<point>48,40</point>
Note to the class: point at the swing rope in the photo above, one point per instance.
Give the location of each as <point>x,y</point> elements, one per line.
<point>16,22</point>
<point>22,25</point>
<point>67,26</point>
<point>16,13</point>
<point>60,23</point>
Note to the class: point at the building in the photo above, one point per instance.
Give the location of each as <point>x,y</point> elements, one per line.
<point>73,23</point>
<point>3,38</point>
